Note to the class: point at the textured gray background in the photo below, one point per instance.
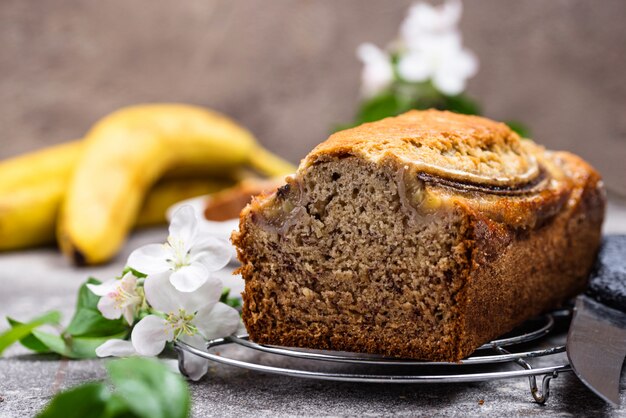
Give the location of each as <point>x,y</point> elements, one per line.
<point>287,68</point>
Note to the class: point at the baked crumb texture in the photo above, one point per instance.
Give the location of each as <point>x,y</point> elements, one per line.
<point>421,236</point>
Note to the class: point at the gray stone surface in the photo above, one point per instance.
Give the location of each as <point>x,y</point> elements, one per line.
<point>35,281</point>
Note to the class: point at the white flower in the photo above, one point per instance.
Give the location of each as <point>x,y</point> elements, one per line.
<point>433,48</point>
<point>425,20</point>
<point>118,297</point>
<point>443,61</point>
<point>191,317</point>
<point>377,72</point>
<point>188,255</point>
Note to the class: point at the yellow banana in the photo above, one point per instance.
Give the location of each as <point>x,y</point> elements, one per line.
<point>124,154</point>
<point>55,162</point>
<point>269,164</point>
<point>31,187</point>
<point>167,192</point>
<point>28,215</point>
<point>58,162</point>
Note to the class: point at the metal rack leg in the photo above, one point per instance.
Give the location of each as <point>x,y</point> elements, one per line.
<point>540,396</point>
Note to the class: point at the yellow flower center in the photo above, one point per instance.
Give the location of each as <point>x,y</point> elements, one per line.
<point>181,257</point>
<point>180,322</point>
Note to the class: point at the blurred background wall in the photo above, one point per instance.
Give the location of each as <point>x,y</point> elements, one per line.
<point>287,68</point>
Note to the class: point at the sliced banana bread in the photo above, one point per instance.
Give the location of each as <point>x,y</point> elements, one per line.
<point>421,236</point>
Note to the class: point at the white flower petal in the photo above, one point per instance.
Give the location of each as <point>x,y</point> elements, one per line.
<point>160,293</point>
<point>449,83</point>
<point>163,296</point>
<point>369,53</point>
<point>414,67</point>
<point>194,366</point>
<point>424,19</point>
<point>189,278</point>
<point>218,322</point>
<point>377,72</point>
<point>172,364</point>
<point>241,329</point>
<point>150,259</point>
<point>205,297</point>
<point>119,297</point>
<point>150,335</point>
<point>466,64</point>
<point>129,314</point>
<point>109,308</point>
<point>104,288</point>
<point>439,44</point>
<point>214,253</point>
<point>116,348</point>
<point>128,282</point>
<point>183,226</point>
<point>451,12</point>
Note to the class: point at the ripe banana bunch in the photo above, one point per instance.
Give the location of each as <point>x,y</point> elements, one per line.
<point>127,170</point>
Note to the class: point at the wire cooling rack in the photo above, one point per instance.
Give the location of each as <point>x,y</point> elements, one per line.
<point>479,367</point>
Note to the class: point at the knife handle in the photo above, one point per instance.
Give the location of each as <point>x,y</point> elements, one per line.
<point>607,284</point>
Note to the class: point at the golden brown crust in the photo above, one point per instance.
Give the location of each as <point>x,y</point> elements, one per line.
<point>445,144</point>
<point>526,244</point>
<point>533,270</point>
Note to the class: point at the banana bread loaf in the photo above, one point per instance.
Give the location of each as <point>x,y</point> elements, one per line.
<point>421,236</point>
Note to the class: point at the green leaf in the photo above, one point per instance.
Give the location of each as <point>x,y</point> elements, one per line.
<point>88,321</point>
<point>149,388</point>
<point>234,302</point>
<point>74,347</point>
<point>19,332</point>
<point>55,343</point>
<point>85,401</point>
<point>521,129</point>
<point>86,298</point>
<point>461,104</point>
<point>136,273</point>
<point>224,295</point>
<point>384,105</point>
<point>30,341</point>
<point>85,347</point>
<point>117,408</point>
<point>403,96</point>
<point>141,388</point>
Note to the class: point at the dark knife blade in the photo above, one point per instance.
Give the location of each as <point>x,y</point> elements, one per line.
<point>596,342</point>
<point>596,346</point>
